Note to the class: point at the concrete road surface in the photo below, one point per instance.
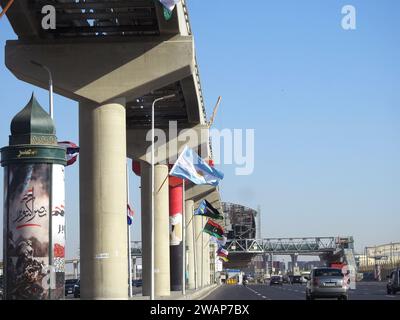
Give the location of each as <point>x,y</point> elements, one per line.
<point>364,291</point>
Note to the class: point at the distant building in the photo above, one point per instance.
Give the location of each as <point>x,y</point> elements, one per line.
<point>240,221</point>
<point>306,265</point>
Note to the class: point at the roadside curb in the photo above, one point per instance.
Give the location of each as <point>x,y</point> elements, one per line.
<point>200,294</point>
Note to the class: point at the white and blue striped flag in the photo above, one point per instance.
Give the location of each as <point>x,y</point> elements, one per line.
<point>191,166</point>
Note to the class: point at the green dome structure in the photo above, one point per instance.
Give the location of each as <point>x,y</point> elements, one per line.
<point>33,138</point>
<point>33,125</point>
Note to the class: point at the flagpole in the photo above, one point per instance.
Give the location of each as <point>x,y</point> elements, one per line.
<point>129,234</point>
<point>183,239</point>
<point>51,99</point>
<point>194,249</point>
<point>152,193</point>
<point>202,252</point>
<point>208,242</point>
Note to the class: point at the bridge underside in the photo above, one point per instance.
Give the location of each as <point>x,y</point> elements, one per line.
<point>239,260</point>
<point>115,58</point>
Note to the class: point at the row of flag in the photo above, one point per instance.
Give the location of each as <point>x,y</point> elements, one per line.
<point>192,167</point>
<point>212,228</point>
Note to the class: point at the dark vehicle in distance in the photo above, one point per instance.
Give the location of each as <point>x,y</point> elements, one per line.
<point>368,276</point>
<point>70,286</point>
<point>77,289</point>
<point>276,280</point>
<point>137,283</point>
<point>296,279</point>
<point>286,279</point>
<point>393,285</point>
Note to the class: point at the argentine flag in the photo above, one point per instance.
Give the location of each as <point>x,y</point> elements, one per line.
<point>191,167</point>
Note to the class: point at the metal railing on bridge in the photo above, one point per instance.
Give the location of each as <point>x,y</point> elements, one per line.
<point>309,246</point>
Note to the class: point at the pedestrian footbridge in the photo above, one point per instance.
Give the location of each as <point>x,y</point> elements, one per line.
<point>241,251</point>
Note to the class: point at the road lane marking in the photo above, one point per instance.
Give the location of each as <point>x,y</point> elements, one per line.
<point>258,293</point>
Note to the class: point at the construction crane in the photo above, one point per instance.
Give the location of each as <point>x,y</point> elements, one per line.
<point>210,123</point>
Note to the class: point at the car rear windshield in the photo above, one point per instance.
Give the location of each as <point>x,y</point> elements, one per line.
<point>71,281</point>
<point>328,273</point>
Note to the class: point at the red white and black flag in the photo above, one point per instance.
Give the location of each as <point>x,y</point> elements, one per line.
<point>72,151</point>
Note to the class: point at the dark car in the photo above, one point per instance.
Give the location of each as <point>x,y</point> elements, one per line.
<point>368,276</point>
<point>393,285</point>
<point>77,289</point>
<point>137,283</point>
<point>70,286</point>
<point>286,279</point>
<point>296,279</point>
<point>276,280</point>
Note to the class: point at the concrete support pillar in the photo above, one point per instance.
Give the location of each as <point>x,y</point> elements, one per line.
<point>75,265</point>
<point>190,244</point>
<point>145,194</point>
<point>198,228</point>
<point>134,268</point>
<point>161,230</point>
<point>294,261</point>
<point>103,237</point>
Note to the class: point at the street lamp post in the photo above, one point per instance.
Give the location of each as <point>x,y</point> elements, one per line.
<point>51,103</point>
<point>152,191</point>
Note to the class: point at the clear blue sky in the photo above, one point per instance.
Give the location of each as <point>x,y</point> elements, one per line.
<point>324,103</point>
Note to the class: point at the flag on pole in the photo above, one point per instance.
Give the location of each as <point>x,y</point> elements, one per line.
<point>220,242</point>
<point>72,151</point>
<point>222,252</point>
<point>213,229</point>
<point>130,214</point>
<point>225,259</point>
<point>207,210</point>
<point>191,166</point>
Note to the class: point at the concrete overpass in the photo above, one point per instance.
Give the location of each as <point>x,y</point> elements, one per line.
<point>115,58</point>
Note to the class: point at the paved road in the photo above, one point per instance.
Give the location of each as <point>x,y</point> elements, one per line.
<point>364,291</point>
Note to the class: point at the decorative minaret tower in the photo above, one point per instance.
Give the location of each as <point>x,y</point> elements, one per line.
<point>34,223</point>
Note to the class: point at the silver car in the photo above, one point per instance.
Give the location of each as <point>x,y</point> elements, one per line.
<point>326,283</point>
